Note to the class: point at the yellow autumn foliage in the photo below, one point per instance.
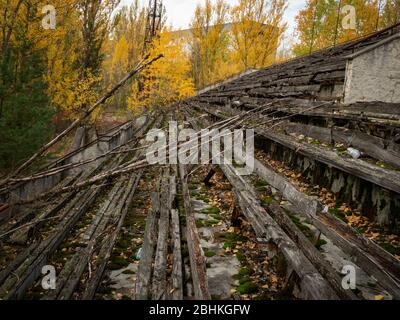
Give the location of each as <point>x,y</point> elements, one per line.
<point>123,50</point>
<point>210,53</point>
<point>320,23</point>
<point>74,95</point>
<point>256,30</point>
<point>72,84</point>
<point>120,57</point>
<point>229,40</point>
<point>165,81</point>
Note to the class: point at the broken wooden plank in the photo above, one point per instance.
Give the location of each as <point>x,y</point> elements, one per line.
<point>364,249</point>
<point>209,176</point>
<point>143,282</point>
<point>177,275</point>
<point>69,278</point>
<point>373,259</point>
<point>197,258</point>
<point>77,122</point>
<point>167,194</point>
<point>370,145</point>
<point>310,251</point>
<point>313,285</point>
<point>23,234</point>
<point>387,179</point>
<point>106,250</point>
<point>308,205</point>
<point>384,178</point>
<point>15,287</point>
<point>364,255</point>
<point>28,264</point>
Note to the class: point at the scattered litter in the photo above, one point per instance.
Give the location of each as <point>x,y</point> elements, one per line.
<point>139,254</point>
<point>354,153</point>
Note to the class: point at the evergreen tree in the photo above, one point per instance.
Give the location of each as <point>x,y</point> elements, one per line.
<point>25,115</point>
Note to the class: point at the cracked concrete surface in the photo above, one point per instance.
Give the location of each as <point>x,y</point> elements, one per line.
<point>374,75</point>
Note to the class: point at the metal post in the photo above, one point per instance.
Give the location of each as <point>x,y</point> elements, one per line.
<point>337,22</point>
<point>378,16</point>
<point>313,27</point>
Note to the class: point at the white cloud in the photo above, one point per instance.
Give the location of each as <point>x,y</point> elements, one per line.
<point>180,12</point>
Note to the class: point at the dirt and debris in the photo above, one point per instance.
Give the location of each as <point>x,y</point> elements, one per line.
<point>231,247</point>
<point>351,216</point>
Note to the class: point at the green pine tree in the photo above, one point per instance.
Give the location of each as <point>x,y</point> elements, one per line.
<point>25,114</point>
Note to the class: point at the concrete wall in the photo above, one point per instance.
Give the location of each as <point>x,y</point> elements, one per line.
<point>105,144</point>
<point>374,74</point>
<point>32,189</point>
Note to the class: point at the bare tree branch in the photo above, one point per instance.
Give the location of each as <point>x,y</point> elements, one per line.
<point>77,122</point>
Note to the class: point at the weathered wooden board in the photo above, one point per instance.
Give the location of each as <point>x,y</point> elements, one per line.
<point>313,285</point>
<point>197,258</point>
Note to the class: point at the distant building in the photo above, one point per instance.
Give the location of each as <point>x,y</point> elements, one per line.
<point>185,35</point>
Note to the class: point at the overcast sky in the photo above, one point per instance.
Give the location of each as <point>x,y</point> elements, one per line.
<point>180,12</point>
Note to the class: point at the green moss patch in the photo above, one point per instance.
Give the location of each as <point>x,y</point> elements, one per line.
<point>390,248</point>
<point>241,257</point>
<point>320,243</point>
<point>193,186</point>
<point>261,185</point>
<point>244,271</point>
<point>212,211</point>
<point>209,254</point>
<point>228,244</point>
<point>199,224</point>
<point>248,288</point>
<point>338,214</point>
<point>118,263</point>
<point>128,272</point>
<point>211,223</point>
<point>267,201</point>
<point>303,228</point>
<point>216,217</point>
<point>233,237</point>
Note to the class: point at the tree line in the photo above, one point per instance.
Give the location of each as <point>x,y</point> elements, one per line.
<point>325,23</point>
<point>52,74</point>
